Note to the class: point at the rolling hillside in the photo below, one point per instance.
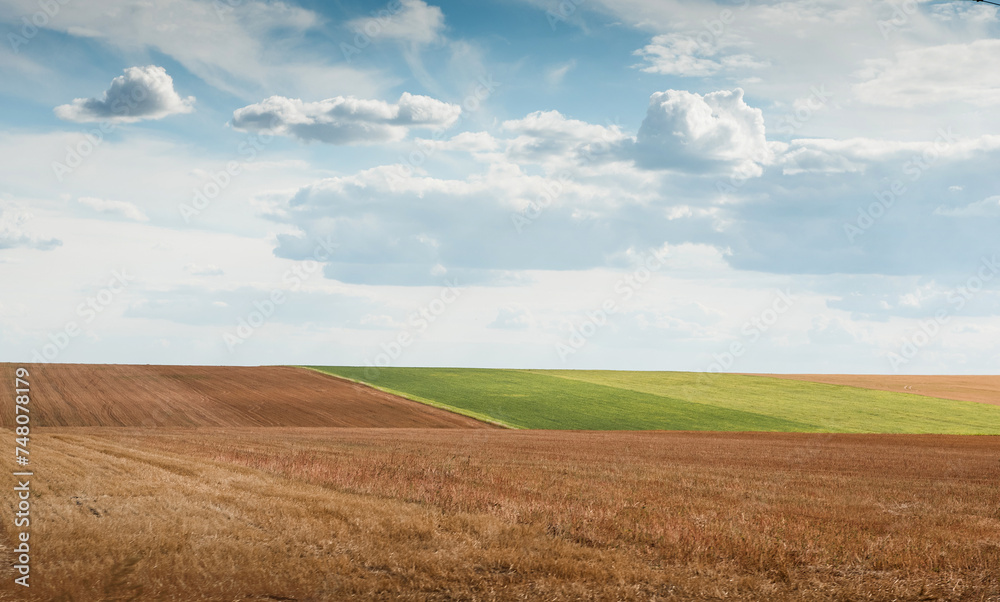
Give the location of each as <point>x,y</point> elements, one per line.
<point>581,399</point>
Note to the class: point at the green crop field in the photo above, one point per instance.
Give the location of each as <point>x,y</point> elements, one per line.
<point>613,400</point>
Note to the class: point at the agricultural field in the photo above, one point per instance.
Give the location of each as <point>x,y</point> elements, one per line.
<point>984,389</point>
<point>321,491</point>
<point>157,396</point>
<point>621,400</point>
<point>457,514</point>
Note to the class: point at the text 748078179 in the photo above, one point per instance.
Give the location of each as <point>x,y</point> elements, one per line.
<point>22,517</point>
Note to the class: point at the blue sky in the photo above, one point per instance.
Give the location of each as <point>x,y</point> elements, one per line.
<point>796,186</point>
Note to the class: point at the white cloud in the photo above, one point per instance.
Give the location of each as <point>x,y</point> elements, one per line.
<point>393,226</point>
<point>827,155</point>
<point>415,22</point>
<point>381,321</point>
<point>141,93</point>
<point>936,75</point>
<point>988,207</point>
<point>512,318</point>
<point>715,132</point>
<point>125,209</point>
<point>197,269</point>
<point>346,120</point>
<point>552,124</point>
<point>954,11</point>
<point>469,142</point>
<point>798,160</point>
<point>548,135</point>
<point>692,56</point>
<point>13,234</point>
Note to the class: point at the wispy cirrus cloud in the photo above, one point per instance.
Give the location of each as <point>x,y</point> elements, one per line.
<point>684,54</point>
<point>933,75</point>
<point>415,21</point>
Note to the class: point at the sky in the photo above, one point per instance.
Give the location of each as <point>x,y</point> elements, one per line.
<point>745,186</point>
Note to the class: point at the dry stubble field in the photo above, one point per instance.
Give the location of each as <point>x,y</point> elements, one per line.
<point>294,513</point>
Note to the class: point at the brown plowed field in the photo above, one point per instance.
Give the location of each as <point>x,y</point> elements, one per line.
<point>984,389</point>
<point>147,396</point>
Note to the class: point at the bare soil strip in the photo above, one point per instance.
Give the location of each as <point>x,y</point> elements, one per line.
<point>984,389</point>
<point>226,396</point>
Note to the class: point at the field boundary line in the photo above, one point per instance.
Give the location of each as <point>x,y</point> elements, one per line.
<point>418,399</point>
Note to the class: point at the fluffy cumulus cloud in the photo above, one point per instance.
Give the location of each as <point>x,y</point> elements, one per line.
<point>393,226</point>
<point>139,93</point>
<point>345,119</point>
<point>404,20</point>
<point>122,208</point>
<point>717,132</point>
<point>934,75</point>
<point>692,55</point>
